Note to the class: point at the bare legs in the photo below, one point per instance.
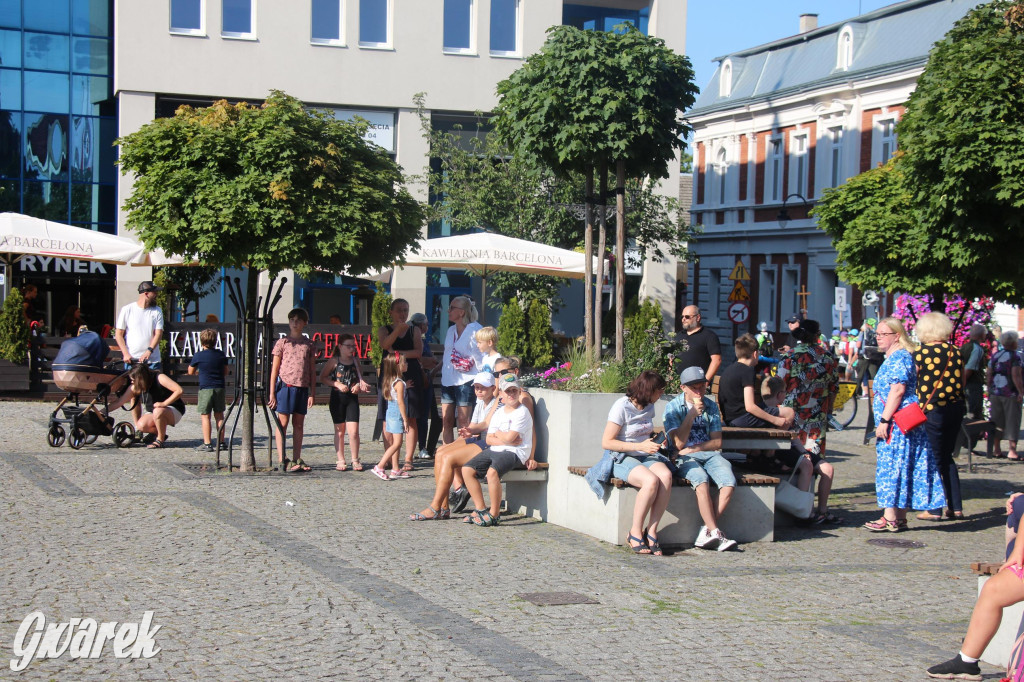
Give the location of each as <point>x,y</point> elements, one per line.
<point>710,512</point>
<point>1001,590</point>
<point>298,431</point>
<point>653,486</point>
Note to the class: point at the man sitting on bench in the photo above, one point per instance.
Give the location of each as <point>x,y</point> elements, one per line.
<point>694,424</point>
<point>740,395</point>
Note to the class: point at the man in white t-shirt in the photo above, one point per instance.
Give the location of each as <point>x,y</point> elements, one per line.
<point>139,328</point>
<point>509,444</point>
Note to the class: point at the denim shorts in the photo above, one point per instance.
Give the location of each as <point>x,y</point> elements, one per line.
<point>393,421</point>
<point>620,470</point>
<point>697,467</point>
<point>291,399</point>
<point>462,395</point>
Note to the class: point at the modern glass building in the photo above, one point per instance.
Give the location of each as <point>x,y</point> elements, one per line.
<point>57,128</point>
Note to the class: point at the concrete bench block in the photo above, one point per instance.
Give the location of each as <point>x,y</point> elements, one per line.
<point>998,651</point>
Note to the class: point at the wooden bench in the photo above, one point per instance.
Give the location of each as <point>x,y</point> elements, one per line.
<point>750,516</point>
<point>738,438</point>
<point>971,432</point>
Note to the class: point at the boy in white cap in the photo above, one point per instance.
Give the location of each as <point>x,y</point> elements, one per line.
<point>694,424</point>
<point>509,441</point>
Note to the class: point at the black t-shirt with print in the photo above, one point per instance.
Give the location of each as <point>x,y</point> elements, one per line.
<point>700,346</point>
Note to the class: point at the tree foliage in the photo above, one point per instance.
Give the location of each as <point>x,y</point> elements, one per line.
<point>539,341</point>
<point>512,330</point>
<point>380,316</point>
<point>189,285</point>
<point>13,329</point>
<point>949,210</point>
<point>267,187</point>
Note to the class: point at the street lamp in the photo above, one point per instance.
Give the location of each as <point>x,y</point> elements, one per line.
<point>783,216</point>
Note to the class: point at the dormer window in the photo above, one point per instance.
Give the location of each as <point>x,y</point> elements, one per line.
<point>725,81</point>
<point>844,49</point>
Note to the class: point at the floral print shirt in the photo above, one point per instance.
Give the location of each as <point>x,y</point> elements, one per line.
<point>811,374</point>
<point>999,368</point>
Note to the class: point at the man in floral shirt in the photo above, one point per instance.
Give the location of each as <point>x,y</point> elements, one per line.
<point>811,373</point>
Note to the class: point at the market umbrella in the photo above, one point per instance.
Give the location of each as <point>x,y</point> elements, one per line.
<point>484,253</point>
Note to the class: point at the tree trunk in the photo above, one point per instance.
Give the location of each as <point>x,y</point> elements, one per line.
<point>602,239</point>
<point>247,458</point>
<point>588,264</point>
<point>620,256</point>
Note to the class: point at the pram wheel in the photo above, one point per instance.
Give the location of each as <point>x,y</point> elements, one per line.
<point>55,436</point>
<point>124,434</point>
<point>91,438</point>
<point>77,437</point>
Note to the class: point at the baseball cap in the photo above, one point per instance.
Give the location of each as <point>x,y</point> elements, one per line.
<point>793,318</point>
<point>484,379</point>
<point>147,286</point>
<point>692,375</point>
<point>508,381</point>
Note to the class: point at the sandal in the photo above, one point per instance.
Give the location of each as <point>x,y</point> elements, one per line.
<point>296,468</point>
<point>882,524</point>
<point>283,464</point>
<point>1013,457</point>
<point>155,444</point>
<point>408,466</point>
<point>468,518</point>
<point>652,543</point>
<point>357,465</point>
<point>420,516</point>
<point>485,519</point>
<point>342,466</point>
<point>443,514</point>
<point>901,524</point>
<point>640,547</point>
<point>826,518</point>
<point>380,473</point>
<point>302,465</point>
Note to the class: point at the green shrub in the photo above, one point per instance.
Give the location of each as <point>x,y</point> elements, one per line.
<point>13,329</point>
<point>541,347</point>
<point>512,331</point>
<point>380,314</point>
<point>637,330</point>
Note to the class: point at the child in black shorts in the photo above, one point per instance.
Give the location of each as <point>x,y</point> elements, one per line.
<point>342,374</point>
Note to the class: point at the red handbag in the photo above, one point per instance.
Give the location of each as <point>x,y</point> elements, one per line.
<point>912,416</point>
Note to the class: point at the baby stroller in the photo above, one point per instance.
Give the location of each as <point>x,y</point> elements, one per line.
<point>78,369</point>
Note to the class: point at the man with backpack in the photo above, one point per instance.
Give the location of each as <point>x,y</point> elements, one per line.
<point>973,355</point>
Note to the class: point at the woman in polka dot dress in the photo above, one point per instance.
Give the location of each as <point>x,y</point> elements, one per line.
<point>940,391</point>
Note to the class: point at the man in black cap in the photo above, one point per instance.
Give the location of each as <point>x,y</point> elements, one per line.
<point>139,328</point>
<point>793,321</point>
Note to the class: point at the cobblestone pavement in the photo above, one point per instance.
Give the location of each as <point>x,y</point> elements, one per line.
<point>320,576</point>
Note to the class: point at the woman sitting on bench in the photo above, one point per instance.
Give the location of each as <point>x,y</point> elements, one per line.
<point>627,439</point>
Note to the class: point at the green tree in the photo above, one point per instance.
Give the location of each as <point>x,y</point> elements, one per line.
<point>512,330</point>
<point>539,340</point>
<point>13,329</point>
<point>189,285</point>
<point>590,101</point>
<point>950,209</point>
<point>380,316</point>
<point>267,188</point>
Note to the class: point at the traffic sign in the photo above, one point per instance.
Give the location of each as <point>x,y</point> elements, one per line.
<point>739,293</point>
<point>739,312</point>
<point>739,272</point>
<point>840,298</point>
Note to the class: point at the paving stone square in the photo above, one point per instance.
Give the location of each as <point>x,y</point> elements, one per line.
<point>321,576</point>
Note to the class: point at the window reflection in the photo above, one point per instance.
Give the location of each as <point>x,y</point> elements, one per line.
<point>91,55</point>
<point>10,89</point>
<point>326,20</point>
<point>90,17</point>
<point>373,22</point>
<point>46,146</point>
<point>186,15</point>
<point>48,200</point>
<point>10,196</point>
<point>47,91</point>
<point>504,25</point>
<point>47,15</point>
<point>10,13</point>
<point>237,16</point>
<point>47,52</point>
<point>10,144</point>
<point>10,48</point>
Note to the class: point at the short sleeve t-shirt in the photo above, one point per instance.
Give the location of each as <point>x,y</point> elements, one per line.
<point>703,426</point>
<point>296,360</point>
<point>1000,368</point>
<point>487,364</point>
<point>700,346</point>
<point>518,420</point>
<point>138,325</point>
<point>481,410</point>
<point>735,378</point>
<point>635,426</point>
<point>210,362</point>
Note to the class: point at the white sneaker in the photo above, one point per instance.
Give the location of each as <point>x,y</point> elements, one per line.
<point>424,454</point>
<point>705,540</point>
<point>724,543</point>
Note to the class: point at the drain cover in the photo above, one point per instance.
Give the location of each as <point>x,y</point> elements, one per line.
<point>896,544</point>
<point>556,598</point>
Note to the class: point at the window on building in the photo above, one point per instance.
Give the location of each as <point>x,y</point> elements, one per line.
<point>458,27</point>
<point>714,294</point>
<point>238,18</point>
<point>375,23</point>
<point>326,22</point>
<point>187,16</point>
<point>592,18</point>
<point>835,156</point>
<point>721,171</point>
<point>798,146</point>
<point>887,137</point>
<point>505,28</point>
<point>725,81</point>
<point>790,289</point>
<point>767,296</point>
<point>773,170</point>
<point>844,49</point>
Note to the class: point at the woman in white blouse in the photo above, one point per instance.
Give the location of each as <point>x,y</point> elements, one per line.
<point>460,363</point>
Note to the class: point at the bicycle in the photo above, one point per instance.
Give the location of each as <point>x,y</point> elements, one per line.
<point>844,408</point>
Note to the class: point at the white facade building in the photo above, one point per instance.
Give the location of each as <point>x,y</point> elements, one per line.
<point>365,57</point>
<point>778,125</point>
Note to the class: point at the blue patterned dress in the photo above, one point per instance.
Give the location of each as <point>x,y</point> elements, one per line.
<point>905,475</point>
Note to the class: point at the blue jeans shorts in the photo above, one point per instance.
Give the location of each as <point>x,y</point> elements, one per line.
<point>697,467</point>
<point>620,470</point>
<point>462,395</point>
<point>291,399</point>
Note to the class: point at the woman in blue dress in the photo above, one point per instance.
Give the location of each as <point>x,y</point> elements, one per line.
<point>906,475</point>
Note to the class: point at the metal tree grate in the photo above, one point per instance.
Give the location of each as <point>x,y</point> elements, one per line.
<point>556,598</point>
<point>896,544</point>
